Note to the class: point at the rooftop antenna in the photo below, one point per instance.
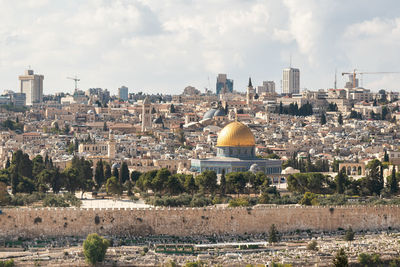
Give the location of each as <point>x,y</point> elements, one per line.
<point>335,85</point>
<point>290,64</point>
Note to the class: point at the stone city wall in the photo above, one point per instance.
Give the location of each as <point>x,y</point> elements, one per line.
<point>26,222</point>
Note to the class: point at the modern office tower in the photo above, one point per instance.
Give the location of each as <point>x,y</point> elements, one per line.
<point>32,86</point>
<point>267,87</point>
<point>291,81</point>
<point>123,93</point>
<point>224,85</point>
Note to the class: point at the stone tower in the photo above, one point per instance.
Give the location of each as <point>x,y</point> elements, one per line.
<point>146,115</point>
<point>111,145</point>
<point>250,94</point>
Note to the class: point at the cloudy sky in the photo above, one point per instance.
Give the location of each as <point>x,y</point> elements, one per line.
<point>165,45</point>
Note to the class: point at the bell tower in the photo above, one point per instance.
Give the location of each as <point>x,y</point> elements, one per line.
<point>250,94</point>
<point>146,115</point>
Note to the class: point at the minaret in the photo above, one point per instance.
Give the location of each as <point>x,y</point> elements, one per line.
<point>146,115</point>
<point>250,94</point>
<point>111,145</point>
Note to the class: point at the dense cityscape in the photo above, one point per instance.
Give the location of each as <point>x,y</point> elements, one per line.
<point>199,133</point>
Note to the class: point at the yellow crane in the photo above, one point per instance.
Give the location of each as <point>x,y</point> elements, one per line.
<point>356,72</point>
<point>76,81</point>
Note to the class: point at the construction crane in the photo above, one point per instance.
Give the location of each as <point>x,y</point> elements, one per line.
<point>355,73</point>
<point>76,81</point>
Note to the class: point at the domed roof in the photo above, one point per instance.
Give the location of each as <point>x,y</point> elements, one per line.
<point>209,114</point>
<point>254,168</point>
<point>220,112</point>
<point>115,165</point>
<point>236,134</point>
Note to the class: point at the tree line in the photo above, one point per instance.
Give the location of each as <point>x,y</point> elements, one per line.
<point>294,110</point>
<point>371,184</point>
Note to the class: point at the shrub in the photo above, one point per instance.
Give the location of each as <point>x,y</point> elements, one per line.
<point>7,263</point>
<point>239,202</point>
<point>54,201</point>
<point>200,200</point>
<point>95,248</point>
<point>349,235</point>
<point>340,259</point>
<point>66,200</point>
<point>312,245</point>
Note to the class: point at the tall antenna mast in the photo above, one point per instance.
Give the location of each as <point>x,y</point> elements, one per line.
<point>290,64</point>
<point>335,85</point>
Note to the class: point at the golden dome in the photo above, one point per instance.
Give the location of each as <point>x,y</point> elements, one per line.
<point>236,134</point>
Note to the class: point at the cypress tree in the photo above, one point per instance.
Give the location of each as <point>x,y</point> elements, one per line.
<point>323,119</point>
<point>394,184</point>
<point>99,174</point>
<point>222,185</point>
<point>124,173</point>
<point>107,172</point>
<point>340,119</point>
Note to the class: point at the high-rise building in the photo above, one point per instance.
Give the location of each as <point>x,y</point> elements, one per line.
<point>123,93</point>
<point>267,87</point>
<point>32,86</point>
<point>224,85</point>
<point>291,81</point>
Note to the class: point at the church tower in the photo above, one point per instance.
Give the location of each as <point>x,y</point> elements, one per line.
<point>250,94</point>
<point>146,115</point>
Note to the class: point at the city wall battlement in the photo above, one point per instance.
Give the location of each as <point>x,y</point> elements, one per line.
<point>30,222</point>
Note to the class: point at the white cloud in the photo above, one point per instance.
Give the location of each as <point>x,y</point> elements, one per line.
<point>165,45</point>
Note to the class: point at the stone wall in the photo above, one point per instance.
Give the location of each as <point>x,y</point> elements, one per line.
<point>26,222</point>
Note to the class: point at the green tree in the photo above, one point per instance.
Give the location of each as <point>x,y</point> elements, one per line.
<point>25,185</point>
<point>340,182</point>
<point>56,181</point>
<point>4,196</point>
<point>323,119</point>
<point>173,185</point>
<point>393,182</point>
<point>273,234</point>
<point>145,180</point>
<point>207,181</point>
<point>309,199</point>
<point>190,184</point>
<point>386,157</point>
<point>373,182</point>
<point>95,248</point>
<point>115,172</point>
<point>70,177</point>
<point>135,176</point>
<point>107,171</point>
<point>113,186</point>
<point>341,259</point>
<point>43,179</point>
<point>124,173</point>
<point>340,119</point>
<point>159,181</point>
<point>172,108</point>
<point>349,236</point>
<point>99,174</point>
<point>8,163</point>
<point>236,182</point>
